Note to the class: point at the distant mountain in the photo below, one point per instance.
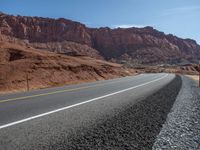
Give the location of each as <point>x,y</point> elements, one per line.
<point>130,46</point>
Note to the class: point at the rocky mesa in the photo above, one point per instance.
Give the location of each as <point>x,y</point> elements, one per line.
<point>55,52</point>
<point>130,46</point>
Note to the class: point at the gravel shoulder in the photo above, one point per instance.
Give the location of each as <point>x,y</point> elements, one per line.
<point>181,130</point>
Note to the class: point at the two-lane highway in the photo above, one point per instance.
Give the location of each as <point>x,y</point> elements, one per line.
<point>18,108</point>
<point>18,111</point>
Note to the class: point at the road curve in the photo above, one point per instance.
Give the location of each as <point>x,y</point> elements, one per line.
<point>42,118</point>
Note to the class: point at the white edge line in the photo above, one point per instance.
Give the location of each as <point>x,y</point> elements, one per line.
<point>78,104</point>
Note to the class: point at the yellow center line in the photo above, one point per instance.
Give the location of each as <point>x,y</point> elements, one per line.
<point>43,94</point>
<point>50,93</point>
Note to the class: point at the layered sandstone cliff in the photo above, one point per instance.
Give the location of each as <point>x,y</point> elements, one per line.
<point>132,45</point>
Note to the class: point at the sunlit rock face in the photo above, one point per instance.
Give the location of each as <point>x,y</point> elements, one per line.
<point>132,45</point>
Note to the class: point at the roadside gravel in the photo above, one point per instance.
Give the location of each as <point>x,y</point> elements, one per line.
<point>134,128</point>
<point>181,130</point>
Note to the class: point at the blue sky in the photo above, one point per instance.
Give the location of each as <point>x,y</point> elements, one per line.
<point>179,17</point>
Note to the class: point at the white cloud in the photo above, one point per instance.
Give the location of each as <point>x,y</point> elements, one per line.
<point>128,26</point>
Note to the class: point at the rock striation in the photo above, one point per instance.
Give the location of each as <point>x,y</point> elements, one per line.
<point>131,46</point>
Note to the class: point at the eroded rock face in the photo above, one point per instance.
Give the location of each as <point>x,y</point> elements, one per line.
<point>36,29</point>
<point>132,45</point>
<point>46,69</point>
<point>145,45</point>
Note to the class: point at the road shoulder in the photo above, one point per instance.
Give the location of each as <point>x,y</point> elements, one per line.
<point>182,128</point>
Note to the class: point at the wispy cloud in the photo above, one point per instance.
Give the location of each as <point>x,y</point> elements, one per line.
<point>129,26</point>
<point>180,10</point>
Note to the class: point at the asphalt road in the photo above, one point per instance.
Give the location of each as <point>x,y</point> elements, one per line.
<point>42,119</point>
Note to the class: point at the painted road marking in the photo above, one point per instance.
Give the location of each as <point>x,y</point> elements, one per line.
<point>78,104</point>
<point>55,92</point>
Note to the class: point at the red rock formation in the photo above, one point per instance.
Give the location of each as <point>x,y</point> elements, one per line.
<point>46,69</point>
<point>133,45</point>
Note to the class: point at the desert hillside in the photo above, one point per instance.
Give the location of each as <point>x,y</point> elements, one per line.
<point>47,69</point>
<point>55,52</point>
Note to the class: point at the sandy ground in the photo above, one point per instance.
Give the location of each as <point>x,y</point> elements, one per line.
<point>194,77</point>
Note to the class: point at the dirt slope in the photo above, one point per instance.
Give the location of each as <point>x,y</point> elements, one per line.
<point>46,69</point>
